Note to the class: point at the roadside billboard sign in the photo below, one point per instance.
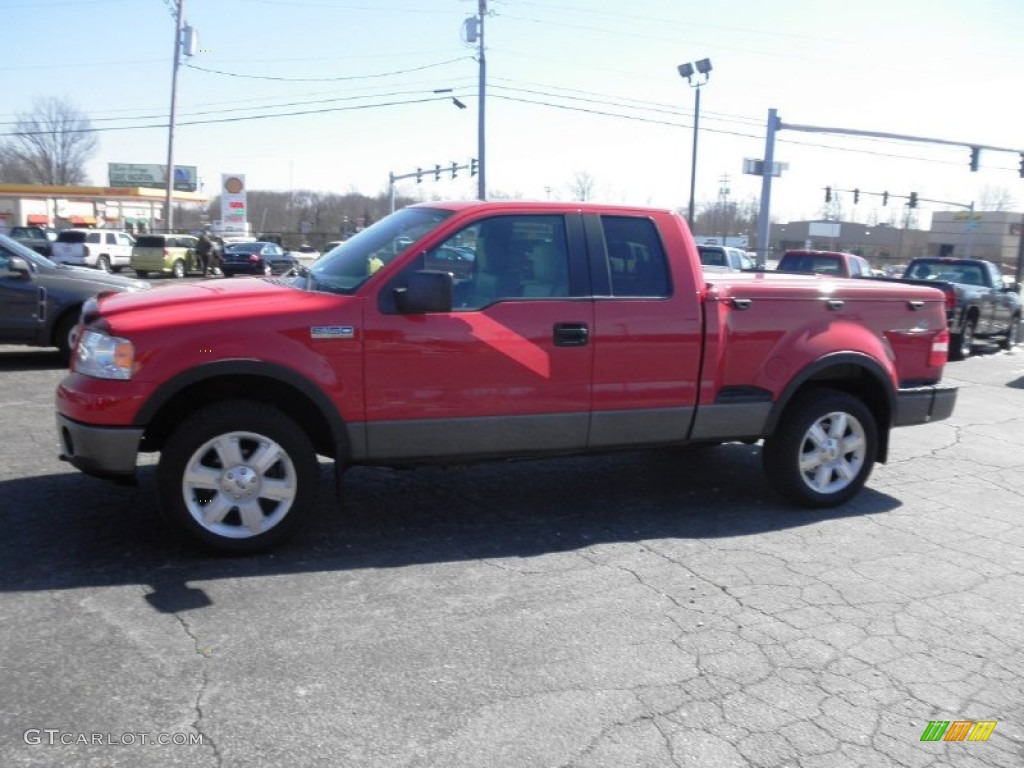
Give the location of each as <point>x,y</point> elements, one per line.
<point>152,176</point>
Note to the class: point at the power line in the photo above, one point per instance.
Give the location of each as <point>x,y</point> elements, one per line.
<point>326,79</point>
<point>235,119</point>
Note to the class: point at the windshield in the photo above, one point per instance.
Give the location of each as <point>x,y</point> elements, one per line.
<point>14,248</point>
<point>352,263</point>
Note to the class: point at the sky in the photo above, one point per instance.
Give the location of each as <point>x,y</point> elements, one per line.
<point>335,95</point>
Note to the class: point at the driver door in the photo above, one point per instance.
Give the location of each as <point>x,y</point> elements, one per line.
<point>21,301</point>
<point>507,371</point>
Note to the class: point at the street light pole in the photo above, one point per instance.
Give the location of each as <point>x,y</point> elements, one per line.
<point>178,31</point>
<point>703,69</point>
<point>693,161</point>
<point>481,154</point>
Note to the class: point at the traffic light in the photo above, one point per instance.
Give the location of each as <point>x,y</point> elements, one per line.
<point>472,166</point>
<point>975,154</point>
<point>419,175</point>
<point>912,202</point>
<point>828,192</point>
<point>885,198</point>
<point>437,173</point>
<point>856,196</point>
<point>455,168</point>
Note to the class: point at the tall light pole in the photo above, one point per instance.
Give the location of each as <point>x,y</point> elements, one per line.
<point>179,27</point>
<point>687,71</point>
<point>481,183</point>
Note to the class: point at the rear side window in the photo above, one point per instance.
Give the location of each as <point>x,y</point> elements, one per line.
<point>150,241</point>
<point>712,257</point>
<point>70,236</point>
<point>636,258</point>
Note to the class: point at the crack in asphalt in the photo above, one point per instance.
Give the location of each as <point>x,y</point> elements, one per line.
<point>197,722</point>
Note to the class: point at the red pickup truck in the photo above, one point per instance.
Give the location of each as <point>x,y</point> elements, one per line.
<point>564,329</point>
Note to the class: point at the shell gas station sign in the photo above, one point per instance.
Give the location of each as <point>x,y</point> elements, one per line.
<point>233,213</point>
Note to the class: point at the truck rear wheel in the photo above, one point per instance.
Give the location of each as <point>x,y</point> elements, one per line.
<point>824,450</point>
<point>961,344</point>
<point>1012,337</point>
<point>238,477</point>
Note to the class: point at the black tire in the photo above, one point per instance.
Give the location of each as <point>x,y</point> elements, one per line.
<point>141,274</point>
<point>961,344</point>
<point>64,333</point>
<point>234,485</point>
<point>226,273</point>
<point>824,449</point>
<point>178,269</point>
<point>103,264</point>
<point>1012,337</point>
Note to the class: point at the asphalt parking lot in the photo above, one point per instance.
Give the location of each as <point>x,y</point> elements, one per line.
<point>644,609</point>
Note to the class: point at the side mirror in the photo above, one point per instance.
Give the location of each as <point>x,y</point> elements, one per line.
<point>427,291</point>
<point>1013,288</point>
<point>18,267</point>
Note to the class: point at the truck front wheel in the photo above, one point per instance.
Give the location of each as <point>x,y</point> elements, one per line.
<point>824,450</point>
<point>238,477</point>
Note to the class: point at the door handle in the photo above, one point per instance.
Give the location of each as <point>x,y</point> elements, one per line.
<point>571,334</point>
<point>835,304</point>
<point>741,303</point>
<point>915,305</point>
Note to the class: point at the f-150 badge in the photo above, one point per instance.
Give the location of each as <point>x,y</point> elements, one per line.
<point>332,332</point>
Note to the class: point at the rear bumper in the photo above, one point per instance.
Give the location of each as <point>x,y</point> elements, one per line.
<point>922,405</point>
<point>108,452</point>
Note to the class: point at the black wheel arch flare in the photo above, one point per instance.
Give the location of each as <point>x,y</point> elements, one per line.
<point>871,383</point>
<point>214,381</point>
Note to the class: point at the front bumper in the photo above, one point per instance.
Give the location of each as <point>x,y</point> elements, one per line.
<point>107,452</point>
<point>921,405</point>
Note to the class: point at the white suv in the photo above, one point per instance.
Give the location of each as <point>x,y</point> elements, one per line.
<point>105,249</point>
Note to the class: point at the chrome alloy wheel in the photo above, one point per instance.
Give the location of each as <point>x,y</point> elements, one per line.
<point>832,452</point>
<point>239,484</point>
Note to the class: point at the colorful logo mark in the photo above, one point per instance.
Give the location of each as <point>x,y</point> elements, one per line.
<point>958,730</point>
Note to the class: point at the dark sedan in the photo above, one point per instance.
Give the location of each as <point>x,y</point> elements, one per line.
<point>259,258</point>
<point>40,301</point>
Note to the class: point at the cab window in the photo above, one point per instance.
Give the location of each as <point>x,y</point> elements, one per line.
<point>497,259</point>
<point>636,258</point>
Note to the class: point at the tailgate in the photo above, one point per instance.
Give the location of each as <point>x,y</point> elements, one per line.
<point>67,250</point>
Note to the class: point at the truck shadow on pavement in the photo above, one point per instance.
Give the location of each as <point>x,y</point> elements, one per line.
<point>66,531</point>
<point>31,360</point>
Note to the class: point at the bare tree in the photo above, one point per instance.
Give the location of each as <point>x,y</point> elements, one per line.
<point>582,187</point>
<point>996,199</point>
<point>49,145</point>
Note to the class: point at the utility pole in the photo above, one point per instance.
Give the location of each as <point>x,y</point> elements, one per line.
<point>481,182</point>
<point>179,27</point>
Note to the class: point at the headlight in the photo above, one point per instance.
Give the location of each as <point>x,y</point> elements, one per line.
<point>105,357</point>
